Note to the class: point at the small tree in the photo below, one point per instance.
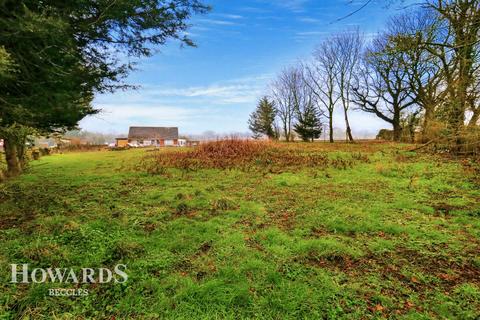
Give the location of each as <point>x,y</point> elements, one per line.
<point>321,79</point>
<point>285,94</point>
<point>347,47</point>
<point>309,126</point>
<point>262,120</point>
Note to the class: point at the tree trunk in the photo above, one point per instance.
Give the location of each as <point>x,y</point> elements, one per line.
<point>347,125</point>
<point>461,85</point>
<point>330,125</point>
<point>475,117</point>
<point>11,156</point>
<point>427,124</point>
<point>285,132</point>
<point>397,132</point>
<point>21,155</point>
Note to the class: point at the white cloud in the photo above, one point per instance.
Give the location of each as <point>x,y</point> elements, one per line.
<point>294,5</point>
<point>243,90</point>
<point>230,16</point>
<point>309,20</point>
<point>218,22</point>
<point>221,93</point>
<point>311,33</point>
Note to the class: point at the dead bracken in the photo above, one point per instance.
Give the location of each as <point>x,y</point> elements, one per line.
<point>247,155</point>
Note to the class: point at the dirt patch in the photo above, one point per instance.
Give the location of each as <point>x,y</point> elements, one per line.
<point>204,248</point>
<point>444,209</point>
<point>448,273</point>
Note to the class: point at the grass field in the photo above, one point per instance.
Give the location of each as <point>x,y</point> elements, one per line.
<point>376,232</point>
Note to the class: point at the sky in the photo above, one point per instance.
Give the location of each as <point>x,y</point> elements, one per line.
<point>242,46</point>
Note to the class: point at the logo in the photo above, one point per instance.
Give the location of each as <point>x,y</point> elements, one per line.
<point>23,274</point>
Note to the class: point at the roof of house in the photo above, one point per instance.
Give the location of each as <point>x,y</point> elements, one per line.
<point>153,133</point>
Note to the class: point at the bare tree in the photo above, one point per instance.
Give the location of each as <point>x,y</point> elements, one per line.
<point>283,93</point>
<point>348,47</point>
<point>425,77</point>
<point>381,87</point>
<point>320,77</point>
<point>304,97</point>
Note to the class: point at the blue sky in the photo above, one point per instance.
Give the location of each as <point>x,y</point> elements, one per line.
<point>242,45</point>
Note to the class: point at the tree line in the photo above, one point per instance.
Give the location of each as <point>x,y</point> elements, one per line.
<point>56,55</point>
<point>420,75</point>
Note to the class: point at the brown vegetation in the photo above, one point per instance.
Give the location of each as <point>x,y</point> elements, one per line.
<point>247,154</point>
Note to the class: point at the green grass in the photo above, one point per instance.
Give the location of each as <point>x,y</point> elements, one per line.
<point>395,237</point>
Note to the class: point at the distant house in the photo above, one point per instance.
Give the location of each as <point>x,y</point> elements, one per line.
<point>182,142</point>
<point>151,136</point>
<point>121,142</point>
<point>192,143</point>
